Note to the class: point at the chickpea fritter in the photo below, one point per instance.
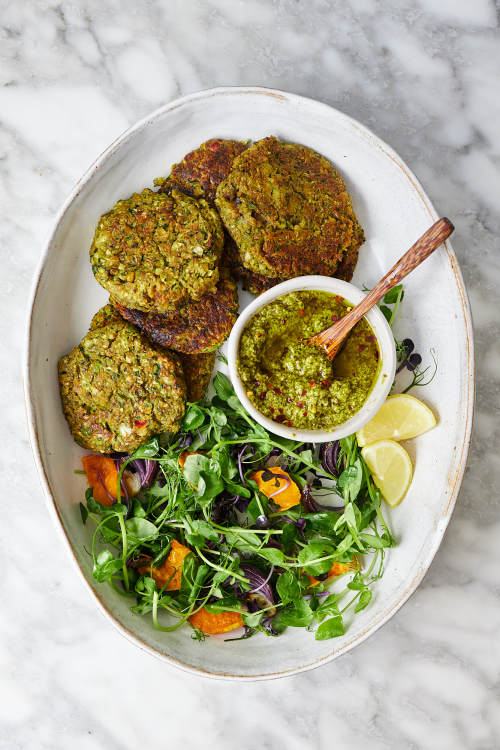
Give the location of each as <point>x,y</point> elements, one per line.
<point>117,389</point>
<point>288,210</point>
<point>194,327</point>
<point>153,250</point>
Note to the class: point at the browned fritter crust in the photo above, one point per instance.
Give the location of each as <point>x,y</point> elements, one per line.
<point>288,210</point>
<point>198,370</point>
<point>195,327</point>
<point>204,168</point>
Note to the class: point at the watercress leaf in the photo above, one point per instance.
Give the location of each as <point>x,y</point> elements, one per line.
<point>393,294</point>
<point>202,437</point>
<point>306,455</point>
<point>205,530</point>
<point>351,518</point>
<point>192,467</point>
<point>84,513</point>
<point>298,614</point>
<point>288,587</point>
<point>330,628</point>
<point>272,555</point>
<point>218,416</point>
<point>193,418</point>
<point>371,540</point>
<point>252,619</point>
<point>235,403</point>
<point>222,386</point>
<point>357,583</point>
<point>238,489</point>
<point>324,522</point>
<point>364,600</point>
<point>141,528</point>
<point>226,604</point>
<point>311,557</point>
<point>345,544</point>
<point>244,542</point>
<point>386,312</point>
<point>106,565</point>
<point>209,485</point>
<point>289,536</point>
<point>351,480</point>
<point>148,450</point>
<point>327,607</point>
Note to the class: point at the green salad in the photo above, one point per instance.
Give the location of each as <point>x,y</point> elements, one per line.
<point>234,528</point>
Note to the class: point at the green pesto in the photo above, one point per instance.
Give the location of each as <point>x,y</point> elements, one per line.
<point>294,383</point>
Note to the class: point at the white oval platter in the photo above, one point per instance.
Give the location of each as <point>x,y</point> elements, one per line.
<point>394,210</point>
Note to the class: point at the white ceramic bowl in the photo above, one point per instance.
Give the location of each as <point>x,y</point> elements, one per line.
<point>393,210</point>
<point>380,328</point>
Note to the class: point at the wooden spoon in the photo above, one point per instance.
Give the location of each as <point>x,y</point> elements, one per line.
<point>331,339</point>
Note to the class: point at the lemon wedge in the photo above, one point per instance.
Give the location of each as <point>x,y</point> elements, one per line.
<point>391,469</point>
<point>399,418</point>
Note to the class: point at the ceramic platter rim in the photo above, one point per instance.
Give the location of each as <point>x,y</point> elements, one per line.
<point>455,473</point>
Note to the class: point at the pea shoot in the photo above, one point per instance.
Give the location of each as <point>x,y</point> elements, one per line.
<point>248,559</point>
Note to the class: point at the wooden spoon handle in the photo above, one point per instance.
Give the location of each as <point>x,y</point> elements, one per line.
<point>418,252</point>
<point>423,247</point>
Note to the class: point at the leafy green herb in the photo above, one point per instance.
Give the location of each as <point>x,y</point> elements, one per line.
<point>211,506</point>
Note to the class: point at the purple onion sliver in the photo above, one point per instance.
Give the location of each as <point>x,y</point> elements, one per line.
<point>113,499</point>
<point>281,489</point>
<point>240,468</point>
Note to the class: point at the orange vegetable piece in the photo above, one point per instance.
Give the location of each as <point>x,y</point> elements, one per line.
<point>216,622</point>
<point>101,470</point>
<point>184,455</point>
<point>170,572</point>
<point>286,498</point>
<point>337,569</point>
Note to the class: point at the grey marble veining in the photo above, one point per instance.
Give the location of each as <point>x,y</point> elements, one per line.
<point>424,75</point>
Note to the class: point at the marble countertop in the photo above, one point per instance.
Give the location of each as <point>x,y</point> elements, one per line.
<point>424,76</point>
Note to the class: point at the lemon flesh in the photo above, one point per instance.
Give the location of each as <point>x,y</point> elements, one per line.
<point>391,469</point>
<point>399,418</point>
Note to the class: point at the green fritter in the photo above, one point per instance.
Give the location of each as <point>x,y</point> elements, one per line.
<point>198,370</point>
<point>199,174</point>
<point>196,326</point>
<point>204,168</point>
<point>155,250</point>
<point>107,314</point>
<point>118,390</point>
<point>288,210</point>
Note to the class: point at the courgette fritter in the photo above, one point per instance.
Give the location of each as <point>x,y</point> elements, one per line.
<point>155,250</point>
<point>194,327</point>
<point>117,389</point>
<point>288,210</point>
<point>199,174</point>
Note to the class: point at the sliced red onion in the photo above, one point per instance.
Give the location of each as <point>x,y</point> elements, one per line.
<point>308,501</point>
<point>329,456</point>
<point>145,469</point>
<point>113,499</point>
<point>261,592</point>
<point>240,468</point>
<point>281,489</point>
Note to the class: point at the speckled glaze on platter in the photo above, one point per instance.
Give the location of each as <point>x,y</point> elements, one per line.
<point>394,210</point>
